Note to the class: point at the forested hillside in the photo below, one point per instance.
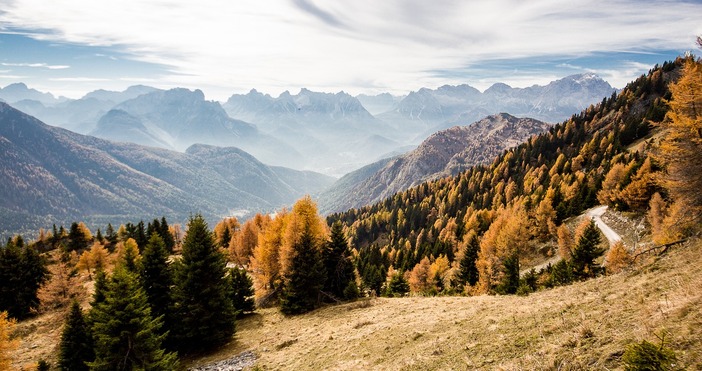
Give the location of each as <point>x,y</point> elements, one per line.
<point>505,211</point>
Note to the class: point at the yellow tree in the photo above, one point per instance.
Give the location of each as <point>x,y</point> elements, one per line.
<point>565,242</point>
<point>244,241</point>
<point>265,261</point>
<point>7,345</point>
<point>507,236</point>
<point>93,259</point>
<point>682,149</point>
<point>419,279</point>
<point>303,218</point>
<point>617,258</point>
<point>440,273</point>
<point>225,230</point>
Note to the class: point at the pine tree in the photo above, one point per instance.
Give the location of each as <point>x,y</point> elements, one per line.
<point>129,256</point>
<point>140,237</point>
<point>203,309</point>
<point>303,282</point>
<point>110,236</point>
<point>337,262</point>
<point>398,285</point>
<point>166,235</point>
<point>126,336</point>
<point>157,279</point>
<point>241,290</point>
<point>76,238</point>
<point>76,347</point>
<point>586,251</point>
<point>22,272</point>
<point>468,272</point>
<point>100,288</point>
<point>510,279</point>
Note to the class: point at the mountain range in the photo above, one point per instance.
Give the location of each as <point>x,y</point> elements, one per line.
<point>444,153</point>
<point>329,133</point>
<point>52,175</point>
<point>427,111</point>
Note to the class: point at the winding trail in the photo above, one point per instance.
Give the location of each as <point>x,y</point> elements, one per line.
<point>596,214</point>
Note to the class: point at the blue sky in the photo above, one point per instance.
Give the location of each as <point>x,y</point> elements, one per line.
<point>71,47</point>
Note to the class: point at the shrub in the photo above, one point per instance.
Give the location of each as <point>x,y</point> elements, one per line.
<point>646,356</point>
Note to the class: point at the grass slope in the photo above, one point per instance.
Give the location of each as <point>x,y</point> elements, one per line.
<point>583,326</point>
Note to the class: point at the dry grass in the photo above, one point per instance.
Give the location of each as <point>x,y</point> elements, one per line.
<point>583,326</point>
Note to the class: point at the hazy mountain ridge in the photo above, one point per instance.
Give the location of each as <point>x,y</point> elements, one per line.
<point>445,153</point>
<point>54,175</point>
<point>333,132</point>
<point>429,110</point>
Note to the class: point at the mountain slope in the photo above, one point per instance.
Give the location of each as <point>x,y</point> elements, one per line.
<point>445,153</point>
<point>53,175</point>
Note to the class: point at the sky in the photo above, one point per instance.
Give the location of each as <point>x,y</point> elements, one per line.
<point>71,47</point>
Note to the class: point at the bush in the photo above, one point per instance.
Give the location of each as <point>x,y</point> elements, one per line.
<point>646,356</point>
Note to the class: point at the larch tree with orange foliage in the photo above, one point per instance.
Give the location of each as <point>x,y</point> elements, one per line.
<point>7,345</point>
<point>302,269</point>
<point>682,150</point>
<point>506,238</point>
<point>265,262</point>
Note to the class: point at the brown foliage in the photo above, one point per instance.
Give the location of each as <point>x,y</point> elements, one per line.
<point>617,258</point>
<point>682,147</point>
<point>61,288</point>
<point>419,279</point>
<point>506,236</point>
<point>565,242</point>
<point>7,345</point>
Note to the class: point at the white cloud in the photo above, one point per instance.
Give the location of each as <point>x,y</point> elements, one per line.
<point>77,79</point>
<point>36,65</point>
<point>362,45</point>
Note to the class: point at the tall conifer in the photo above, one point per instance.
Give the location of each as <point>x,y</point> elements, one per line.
<point>126,336</point>
<point>204,311</point>
<point>76,348</point>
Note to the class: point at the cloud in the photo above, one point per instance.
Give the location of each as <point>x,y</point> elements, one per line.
<point>36,65</point>
<point>279,45</point>
<point>326,17</point>
<point>78,79</point>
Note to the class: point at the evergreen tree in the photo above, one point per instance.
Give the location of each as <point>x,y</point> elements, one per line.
<point>398,285</point>
<point>129,257</point>
<point>100,288</point>
<point>126,336</point>
<point>166,235</point>
<point>76,238</point>
<point>110,235</point>
<point>468,272</point>
<point>76,348</point>
<point>225,238</point>
<point>510,279</point>
<point>337,262</point>
<point>203,309</point>
<point>157,279</point>
<point>98,236</point>
<point>22,272</point>
<point>586,251</point>
<point>140,236</point>
<point>241,290</point>
<point>153,227</point>
<point>302,284</point>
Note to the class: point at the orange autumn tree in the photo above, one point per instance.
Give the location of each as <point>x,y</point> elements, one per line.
<point>682,152</point>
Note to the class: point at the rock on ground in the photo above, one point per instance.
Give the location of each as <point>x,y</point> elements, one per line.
<point>237,363</point>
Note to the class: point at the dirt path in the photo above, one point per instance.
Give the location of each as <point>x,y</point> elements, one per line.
<point>596,214</point>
